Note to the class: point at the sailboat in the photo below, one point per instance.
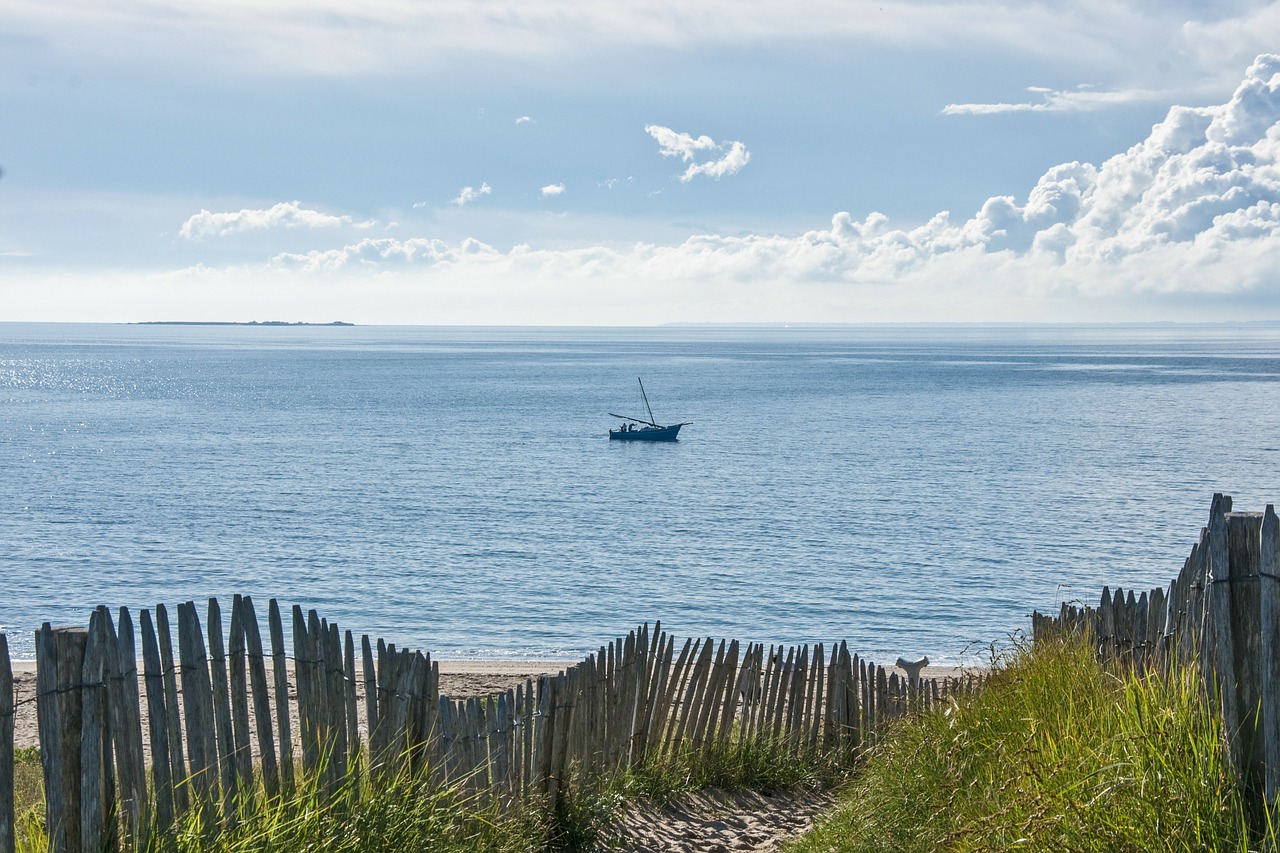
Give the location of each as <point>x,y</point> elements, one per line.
<point>638,429</point>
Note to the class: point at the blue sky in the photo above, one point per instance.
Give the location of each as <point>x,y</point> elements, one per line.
<point>526,161</point>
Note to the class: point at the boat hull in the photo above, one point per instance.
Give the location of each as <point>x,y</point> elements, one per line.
<point>666,433</point>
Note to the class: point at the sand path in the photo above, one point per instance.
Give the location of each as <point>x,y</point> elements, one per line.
<point>717,822</point>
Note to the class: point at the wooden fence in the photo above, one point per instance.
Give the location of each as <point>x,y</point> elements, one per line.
<point>218,726</point>
<point>1221,614</point>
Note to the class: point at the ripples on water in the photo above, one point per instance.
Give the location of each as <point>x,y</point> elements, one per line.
<point>914,490</point>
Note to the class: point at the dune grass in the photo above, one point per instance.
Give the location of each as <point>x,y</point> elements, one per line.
<point>394,816</point>
<point>28,794</point>
<point>404,814</point>
<point>1055,754</point>
<point>28,780</point>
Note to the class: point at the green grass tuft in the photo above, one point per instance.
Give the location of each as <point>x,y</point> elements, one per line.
<point>395,816</point>
<point>1053,755</point>
<point>28,796</point>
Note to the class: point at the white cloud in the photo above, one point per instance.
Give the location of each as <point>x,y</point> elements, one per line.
<point>524,120</point>
<point>1194,209</point>
<point>470,194</point>
<point>726,158</point>
<point>1079,100</point>
<point>552,190</point>
<point>682,145</point>
<point>384,252</point>
<point>284,215</point>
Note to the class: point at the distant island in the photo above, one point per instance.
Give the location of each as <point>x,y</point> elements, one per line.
<point>233,323</point>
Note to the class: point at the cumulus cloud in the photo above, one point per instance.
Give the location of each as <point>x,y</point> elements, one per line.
<point>552,190</point>
<point>524,120</point>
<point>704,155</point>
<point>289,214</point>
<point>1193,207</point>
<point>470,194</point>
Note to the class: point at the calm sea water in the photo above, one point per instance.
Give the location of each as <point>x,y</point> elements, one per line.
<point>914,490</point>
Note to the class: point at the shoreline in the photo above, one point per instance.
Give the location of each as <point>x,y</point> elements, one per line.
<point>536,667</point>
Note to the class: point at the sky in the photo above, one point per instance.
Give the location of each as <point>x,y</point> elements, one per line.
<point>560,162</point>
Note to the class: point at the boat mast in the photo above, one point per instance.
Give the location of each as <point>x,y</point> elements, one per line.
<point>646,400</point>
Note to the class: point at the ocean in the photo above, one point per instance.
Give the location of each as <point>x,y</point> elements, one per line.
<point>914,490</point>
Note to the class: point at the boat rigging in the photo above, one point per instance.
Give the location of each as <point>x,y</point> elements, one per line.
<point>650,430</point>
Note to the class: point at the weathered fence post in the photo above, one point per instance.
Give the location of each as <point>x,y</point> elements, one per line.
<point>280,676</point>
<point>335,694</point>
<point>370,701</point>
<point>197,705</point>
<point>1269,580</point>
<point>242,757</point>
<point>59,661</point>
<point>349,686</point>
<point>97,789</point>
<point>157,716</point>
<point>126,725</point>
<point>379,734</point>
<point>1243,531</point>
<point>6,749</point>
<point>261,697</point>
<point>303,663</point>
<point>547,713</point>
<point>1197,642</point>
<point>222,713</point>
<point>1220,608</point>
<point>1107,642</point>
<point>177,755</point>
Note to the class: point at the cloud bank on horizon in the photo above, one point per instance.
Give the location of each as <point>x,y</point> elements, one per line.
<point>1192,209</point>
